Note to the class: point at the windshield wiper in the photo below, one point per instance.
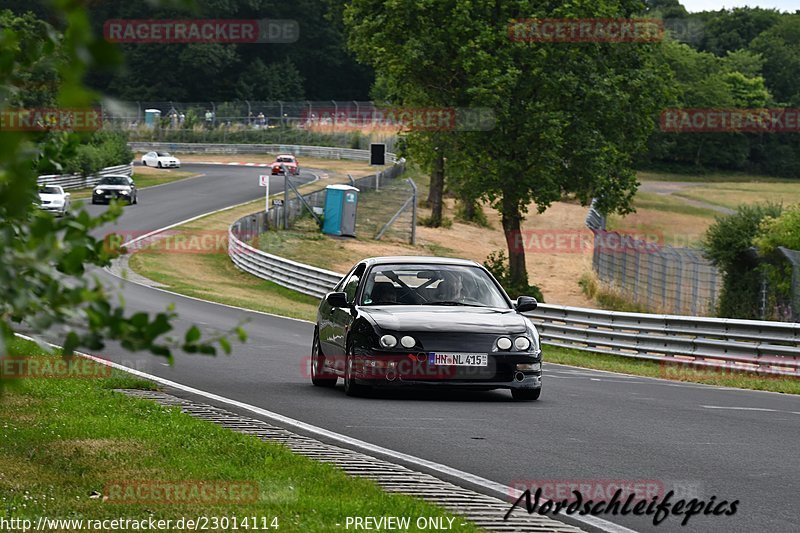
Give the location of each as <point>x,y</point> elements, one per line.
<point>453,302</point>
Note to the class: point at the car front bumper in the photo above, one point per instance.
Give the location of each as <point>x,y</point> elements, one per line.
<point>110,195</point>
<point>501,372</point>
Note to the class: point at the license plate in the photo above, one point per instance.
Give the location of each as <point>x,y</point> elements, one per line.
<point>458,359</point>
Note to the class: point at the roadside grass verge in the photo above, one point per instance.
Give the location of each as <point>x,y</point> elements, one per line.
<point>65,442</point>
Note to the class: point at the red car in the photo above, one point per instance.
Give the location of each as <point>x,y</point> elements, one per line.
<point>289,161</point>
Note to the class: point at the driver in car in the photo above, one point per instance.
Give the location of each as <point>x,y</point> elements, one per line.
<point>451,288</point>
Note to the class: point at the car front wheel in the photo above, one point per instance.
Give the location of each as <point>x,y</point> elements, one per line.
<point>526,395</point>
<point>318,376</point>
<point>159,164</point>
<point>351,388</point>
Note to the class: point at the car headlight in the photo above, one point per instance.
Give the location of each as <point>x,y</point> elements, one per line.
<point>125,192</point>
<point>408,341</point>
<point>504,343</point>
<point>388,341</point>
<point>522,343</point>
<point>99,191</point>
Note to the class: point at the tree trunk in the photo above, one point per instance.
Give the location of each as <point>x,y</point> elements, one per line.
<point>518,273</point>
<point>437,190</point>
<point>468,206</point>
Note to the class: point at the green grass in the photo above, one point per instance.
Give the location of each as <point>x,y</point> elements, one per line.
<point>64,440</point>
<point>670,204</point>
<point>223,283</point>
<point>731,195</point>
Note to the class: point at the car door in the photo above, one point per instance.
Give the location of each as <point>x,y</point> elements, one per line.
<point>342,318</point>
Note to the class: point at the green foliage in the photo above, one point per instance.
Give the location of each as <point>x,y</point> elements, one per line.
<point>497,263</point>
<point>47,264</point>
<point>783,230</point>
<point>729,245</point>
<point>103,149</point>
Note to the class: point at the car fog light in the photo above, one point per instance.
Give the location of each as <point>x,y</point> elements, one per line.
<point>408,342</point>
<point>529,367</point>
<point>522,343</point>
<point>504,343</point>
<point>388,341</point>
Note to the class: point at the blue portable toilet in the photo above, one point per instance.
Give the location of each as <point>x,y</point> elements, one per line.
<point>340,210</point>
<point>152,117</point>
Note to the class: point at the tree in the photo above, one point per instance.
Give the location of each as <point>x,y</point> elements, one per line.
<point>45,263</point>
<point>730,30</point>
<point>780,48</point>
<point>417,58</point>
<point>729,245</point>
<point>569,117</point>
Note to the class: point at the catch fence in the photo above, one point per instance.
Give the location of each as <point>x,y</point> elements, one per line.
<point>660,278</point>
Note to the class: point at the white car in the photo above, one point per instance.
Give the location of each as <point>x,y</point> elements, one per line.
<point>160,160</point>
<point>53,199</point>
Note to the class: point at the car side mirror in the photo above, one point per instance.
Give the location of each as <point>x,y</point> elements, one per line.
<point>337,299</point>
<point>526,303</point>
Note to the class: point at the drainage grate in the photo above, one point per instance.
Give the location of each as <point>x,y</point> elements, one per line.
<point>484,511</point>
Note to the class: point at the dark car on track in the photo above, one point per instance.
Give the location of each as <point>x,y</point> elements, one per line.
<point>425,322</point>
<point>120,187</point>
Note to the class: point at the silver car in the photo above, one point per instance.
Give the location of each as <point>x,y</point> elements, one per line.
<point>53,199</point>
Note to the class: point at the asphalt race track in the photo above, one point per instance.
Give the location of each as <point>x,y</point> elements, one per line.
<point>588,426</point>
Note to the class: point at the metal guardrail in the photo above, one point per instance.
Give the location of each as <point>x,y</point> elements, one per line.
<point>291,274</point>
<point>742,345</point>
<point>322,152</point>
<point>78,181</point>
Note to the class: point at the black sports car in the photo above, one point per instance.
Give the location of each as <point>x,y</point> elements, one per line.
<point>425,321</point>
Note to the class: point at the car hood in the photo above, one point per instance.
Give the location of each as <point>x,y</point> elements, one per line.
<point>446,318</point>
<point>167,158</point>
<point>51,198</point>
<point>112,187</point>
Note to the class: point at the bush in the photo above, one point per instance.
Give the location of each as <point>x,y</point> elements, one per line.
<point>729,244</point>
<point>103,149</point>
<point>497,264</point>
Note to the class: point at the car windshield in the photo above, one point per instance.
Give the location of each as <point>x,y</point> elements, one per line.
<point>285,159</point>
<point>452,285</point>
<point>163,154</point>
<point>114,180</point>
<point>49,190</point>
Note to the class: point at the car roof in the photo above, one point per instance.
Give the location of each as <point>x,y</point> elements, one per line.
<point>284,155</point>
<point>419,260</point>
